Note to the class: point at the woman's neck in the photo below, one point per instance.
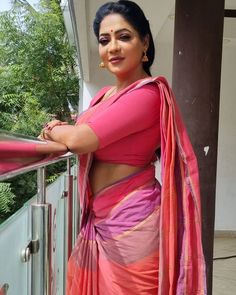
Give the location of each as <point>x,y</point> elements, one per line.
<point>123,82</point>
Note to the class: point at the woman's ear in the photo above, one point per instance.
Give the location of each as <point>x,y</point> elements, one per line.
<point>146,41</point>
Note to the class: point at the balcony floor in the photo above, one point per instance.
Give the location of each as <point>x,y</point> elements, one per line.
<point>224,271</point>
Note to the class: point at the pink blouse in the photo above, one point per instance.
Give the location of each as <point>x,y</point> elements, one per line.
<point>127,125</point>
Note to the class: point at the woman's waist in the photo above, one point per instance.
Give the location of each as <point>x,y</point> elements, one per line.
<point>103,174</point>
<point>125,182</point>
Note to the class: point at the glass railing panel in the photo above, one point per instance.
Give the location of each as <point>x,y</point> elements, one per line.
<point>55,196</point>
<point>15,235</point>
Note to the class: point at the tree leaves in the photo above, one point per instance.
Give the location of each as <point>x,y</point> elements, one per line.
<point>6,199</point>
<point>38,81</point>
<point>36,57</point>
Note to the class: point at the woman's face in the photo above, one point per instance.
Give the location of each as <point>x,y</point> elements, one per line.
<point>120,46</point>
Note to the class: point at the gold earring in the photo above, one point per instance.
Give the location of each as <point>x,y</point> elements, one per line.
<point>102,65</point>
<point>145,58</point>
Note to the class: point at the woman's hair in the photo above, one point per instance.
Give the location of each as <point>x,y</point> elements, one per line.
<point>134,15</point>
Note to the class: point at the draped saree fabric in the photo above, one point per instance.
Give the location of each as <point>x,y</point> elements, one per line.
<point>138,237</point>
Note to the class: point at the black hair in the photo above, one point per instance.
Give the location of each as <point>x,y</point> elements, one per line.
<point>134,15</point>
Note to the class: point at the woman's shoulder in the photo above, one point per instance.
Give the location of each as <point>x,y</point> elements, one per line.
<point>145,95</point>
<point>151,82</point>
<point>152,86</point>
<point>148,86</point>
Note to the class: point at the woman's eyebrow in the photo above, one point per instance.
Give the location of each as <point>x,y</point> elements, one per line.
<point>116,32</point>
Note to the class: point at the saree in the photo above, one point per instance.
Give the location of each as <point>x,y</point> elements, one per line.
<point>138,237</point>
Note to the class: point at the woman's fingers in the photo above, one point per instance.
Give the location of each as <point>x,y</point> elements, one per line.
<point>52,124</point>
<point>44,135</point>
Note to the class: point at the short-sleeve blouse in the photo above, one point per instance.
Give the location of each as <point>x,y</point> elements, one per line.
<point>128,128</point>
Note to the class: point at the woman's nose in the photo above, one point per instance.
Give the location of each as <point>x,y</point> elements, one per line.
<point>114,46</point>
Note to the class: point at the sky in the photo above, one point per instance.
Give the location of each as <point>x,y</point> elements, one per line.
<point>5,4</point>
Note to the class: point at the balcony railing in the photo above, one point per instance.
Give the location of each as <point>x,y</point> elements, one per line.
<point>36,241</point>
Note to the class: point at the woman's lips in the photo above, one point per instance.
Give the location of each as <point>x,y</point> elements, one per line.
<point>115,60</point>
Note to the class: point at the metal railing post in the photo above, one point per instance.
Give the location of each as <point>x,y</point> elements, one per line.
<point>76,207</point>
<point>70,206</point>
<point>68,215</point>
<point>41,232</point>
<point>41,186</point>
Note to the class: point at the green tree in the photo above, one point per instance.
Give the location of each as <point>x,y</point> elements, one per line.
<point>38,81</point>
<point>36,59</point>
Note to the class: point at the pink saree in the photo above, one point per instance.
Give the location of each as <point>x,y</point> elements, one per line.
<point>138,238</point>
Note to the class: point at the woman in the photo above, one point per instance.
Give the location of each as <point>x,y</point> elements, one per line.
<point>136,237</point>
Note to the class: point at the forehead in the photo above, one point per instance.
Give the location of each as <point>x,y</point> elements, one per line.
<point>114,22</point>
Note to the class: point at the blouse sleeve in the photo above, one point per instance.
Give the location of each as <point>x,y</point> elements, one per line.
<point>131,113</point>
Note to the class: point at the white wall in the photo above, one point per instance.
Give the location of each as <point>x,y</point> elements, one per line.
<point>164,60</point>
<point>226,171</point>
<point>99,77</point>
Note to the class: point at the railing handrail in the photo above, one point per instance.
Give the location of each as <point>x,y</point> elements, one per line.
<point>34,166</point>
<point>14,139</point>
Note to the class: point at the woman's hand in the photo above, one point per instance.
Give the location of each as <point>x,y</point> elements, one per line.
<point>79,139</point>
<point>52,124</point>
<point>45,133</point>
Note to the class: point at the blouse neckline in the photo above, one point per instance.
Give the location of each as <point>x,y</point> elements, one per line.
<point>107,88</point>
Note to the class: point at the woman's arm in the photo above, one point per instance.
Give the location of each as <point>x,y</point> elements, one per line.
<point>133,112</point>
<point>79,139</point>
<point>51,147</point>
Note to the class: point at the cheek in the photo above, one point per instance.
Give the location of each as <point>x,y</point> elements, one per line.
<point>135,55</point>
<point>102,52</point>
<point>135,50</point>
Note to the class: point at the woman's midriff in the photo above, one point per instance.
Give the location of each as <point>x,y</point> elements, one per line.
<point>103,174</point>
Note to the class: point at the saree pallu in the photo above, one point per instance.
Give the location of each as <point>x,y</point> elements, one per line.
<point>117,251</point>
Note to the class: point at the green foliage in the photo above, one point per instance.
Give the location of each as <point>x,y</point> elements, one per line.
<point>22,113</point>
<point>23,187</point>
<point>38,81</point>
<point>30,112</point>
<point>6,199</point>
<point>36,58</point>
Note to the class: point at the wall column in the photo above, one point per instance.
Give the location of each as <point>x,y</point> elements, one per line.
<point>196,84</point>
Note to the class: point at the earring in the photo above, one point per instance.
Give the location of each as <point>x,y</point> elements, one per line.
<point>102,65</point>
<point>145,58</point>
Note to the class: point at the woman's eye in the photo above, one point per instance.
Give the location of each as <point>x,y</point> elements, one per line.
<point>103,41</point>
<point>125,37</point>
